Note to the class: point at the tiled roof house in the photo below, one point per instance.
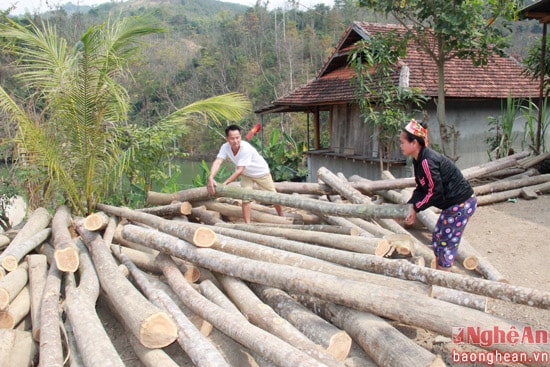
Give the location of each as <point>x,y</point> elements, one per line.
<point>472,95</point>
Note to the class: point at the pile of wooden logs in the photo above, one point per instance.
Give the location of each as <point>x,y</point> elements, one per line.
<point>325,285</point>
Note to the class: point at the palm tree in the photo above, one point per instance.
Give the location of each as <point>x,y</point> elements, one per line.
<point>75,111</point>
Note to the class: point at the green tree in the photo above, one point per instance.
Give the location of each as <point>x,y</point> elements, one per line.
<point>73,121</point>
<point>383,102</point>
<point>444,29</point>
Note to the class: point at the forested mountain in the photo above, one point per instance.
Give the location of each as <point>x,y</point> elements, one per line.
<point>211,47</point>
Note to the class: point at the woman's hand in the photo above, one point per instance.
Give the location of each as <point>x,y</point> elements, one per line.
<point>411,218</point>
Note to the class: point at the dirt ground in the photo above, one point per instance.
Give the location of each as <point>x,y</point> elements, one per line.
<point>514,236</point>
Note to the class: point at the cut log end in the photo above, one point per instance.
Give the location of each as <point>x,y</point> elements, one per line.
<point>383,248</point>
<point>192,274</point>
<point>96,221</point>
<point>340,345</point>
<point>158,331</point>
<point>6,320</point>
<point>67,259</point>
<point>204,237</point>
<point>470,262</point>
<point>9,263</point>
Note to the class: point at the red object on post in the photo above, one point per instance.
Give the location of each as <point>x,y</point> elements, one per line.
<point>253,131</point>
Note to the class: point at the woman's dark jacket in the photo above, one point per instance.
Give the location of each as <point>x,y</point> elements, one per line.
<point>439,182</point>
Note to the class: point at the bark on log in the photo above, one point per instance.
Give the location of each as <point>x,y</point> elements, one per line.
<point>334,240</point>
<point>234,211</point>
<point>191,195</point>
<point>209,290</point>
<point>303,188</point>
<point>151,357</point>
<point>38,271</point>
<point>74,358</point>
<point>14,253</point>
<point>504,185</point>
<point>200,236</point>
<point>493,166</point>
<point>50,347</point>
<point>17,348</point>
<point>19,308</point>
<point>170,210</point>
<point>80,307</point>
<point>37,221</point>
<point>335,341</point>
<point>315,206</point>
<point>328,228</point>
<point>398,269</point>
<point>201,351</point>
<point>245,244</point>
<point>264,316</point>
<point>153,327</point>
<point>355,223</point>
<point>424,311</point>
<point>459,297</point>
<point>509,194</point>
<point>66,253</point>
<point>12,284</point>
<point>201,324</point>
<point>254,338</point>
<point>383,343</point>
<point>202,215</point>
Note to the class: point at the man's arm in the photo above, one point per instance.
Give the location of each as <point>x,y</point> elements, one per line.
<point>235,175</point>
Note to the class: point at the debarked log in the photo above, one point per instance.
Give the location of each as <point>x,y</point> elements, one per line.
<point>201,351</point>
<point>191,195</point>
<point>150,325</point>
<point>234,211</point>
<point>170,210</point>
<point>262,315</point>
<point>252,337</point>
<point>384,344</point>
<point>424,311</point>
<point>198,235</point>
<point>14,253</point>
<point>37,221</point>
<point>335,341</point>
<point>17,348</point>
<point>80,308</point>
<point>364,211</point>
<point>19,308</point>
<point>66,253</point>
<point>459,297</point>
<point>38,271</point>
<point>12,284</point>
<point>504,185</point>
<point>334,240</point>
<point>290,252</point>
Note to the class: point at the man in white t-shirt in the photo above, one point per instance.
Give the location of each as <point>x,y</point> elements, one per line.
<point>251,166</point>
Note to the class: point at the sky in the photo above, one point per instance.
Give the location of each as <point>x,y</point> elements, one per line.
<point>43,5</point>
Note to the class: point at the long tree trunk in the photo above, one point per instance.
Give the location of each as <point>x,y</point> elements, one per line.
<point>201,351</point>
<point>335,341</point>
<point>315,206</point>
<point>38,271</point>
<point>36,222</point>
<point>423,311</point>
<point>80,307</point>
<point>384,344</point>
<point>265,317</point>
<point>153,327</point>
<point>254,338</point>
<point>198,235</point>
<point>14,253</point>
<point>12,284</point>
<point>66,253</point>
